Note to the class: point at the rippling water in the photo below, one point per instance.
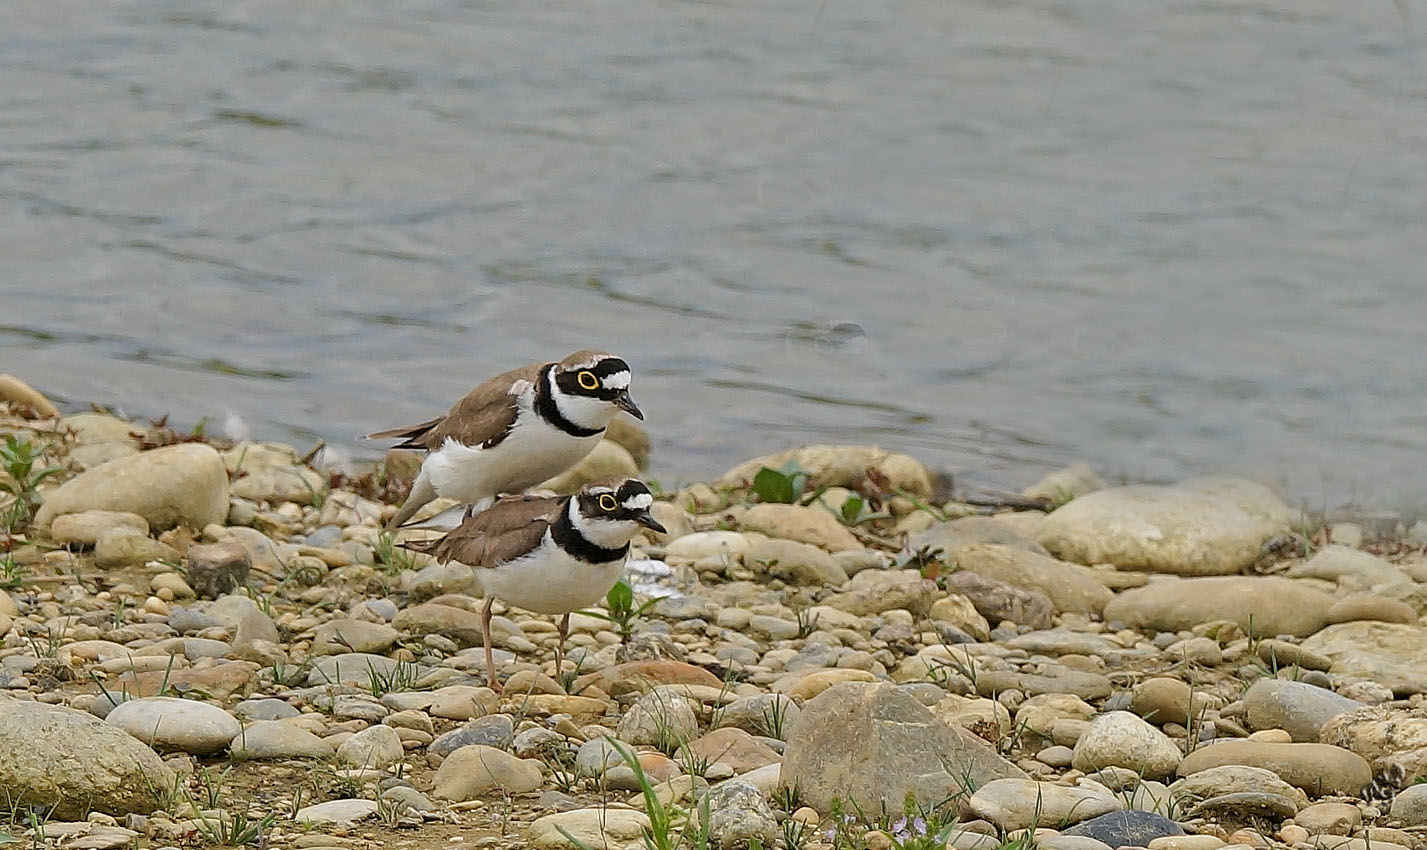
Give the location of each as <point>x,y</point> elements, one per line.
<point>1168,238</point>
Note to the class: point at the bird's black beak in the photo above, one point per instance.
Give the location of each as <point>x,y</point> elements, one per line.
<point>625,403</point>
<point>647,520</point>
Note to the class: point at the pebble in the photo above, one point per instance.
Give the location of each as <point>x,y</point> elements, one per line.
<point>375,747</point>
<point>278,739</point>
<point>477,770</point>
<point>1410,806</point>
<point>585,828</point>
<point>492,730</point>
<point>167,723</point>
<point>1295,707</point>
<point>1128,828</point>
<point>1020,803</point>
<point>336,812</point>
<point>1123,739</point>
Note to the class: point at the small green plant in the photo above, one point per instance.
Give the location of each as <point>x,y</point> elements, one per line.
<point>670,828</point>
<point>775,718</point>
<point>807,621</point>
<point>785,485</point>
<point>854,511</point>
<point>401,677</point>
<point>12,574</point>
<point>622,611</point>
<point>391,557</point>
<point>20,482</point>
<point>238,829</point>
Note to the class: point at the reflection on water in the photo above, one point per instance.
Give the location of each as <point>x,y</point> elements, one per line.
<point>1167,238</point>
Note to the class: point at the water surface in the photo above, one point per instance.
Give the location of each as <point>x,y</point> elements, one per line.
<point>1168,238</point>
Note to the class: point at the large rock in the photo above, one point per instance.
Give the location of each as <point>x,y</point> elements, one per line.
<point>1391,654</point>
<point>1070,586</point>
<point>839,466</point>
<point>183,484</point>
<point>1234,779</point>
<point>1181,529</point>
<point>1298,708</point>
<point>872,745</point>
<point>69,763</point>
<point>168,723</point>
<point>1316,768</point>
<point>1268,606</point>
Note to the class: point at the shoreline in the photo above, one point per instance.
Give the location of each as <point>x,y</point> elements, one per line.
<point>238,654</point>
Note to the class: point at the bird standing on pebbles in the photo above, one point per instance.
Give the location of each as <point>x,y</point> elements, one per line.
<point>515,430</point>
<point>548,554</point>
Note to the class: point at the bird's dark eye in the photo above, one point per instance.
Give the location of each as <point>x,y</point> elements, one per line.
<point>588,380</point>
<point>607,502</point>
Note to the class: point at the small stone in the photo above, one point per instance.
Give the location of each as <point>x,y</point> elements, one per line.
<point>1280,655</point>
<point>733,747</point>
<point>276,739</point>
<point>1296,707</point>
<point>339,636</point>
<point>167,723</point>
<point>1123,739</point>
<point>462,702</point>
<point>661,718</point>
<point>799,563</point>
<point>85,529</point>
<point>336,812</point>
<point>218,569</point>
<point>739,815</point>
<point>375,747</point>
<point>1410,806</point>
<point>1186,842</point>
<point>473,771</point>
<point>1127,829</point>
<point>492,730</point>
<point>1022,803</point>
<point>1378,608</point>
<point>1329,818</point>
<point>614,829</point>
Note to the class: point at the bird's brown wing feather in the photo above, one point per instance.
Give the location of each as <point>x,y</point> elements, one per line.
<point>503,532</point>
<point>482,418</point>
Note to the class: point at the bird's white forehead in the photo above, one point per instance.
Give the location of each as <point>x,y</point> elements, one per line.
<point>617,381</point>
<point>639,502</point>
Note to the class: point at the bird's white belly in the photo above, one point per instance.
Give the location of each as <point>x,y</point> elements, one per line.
<point>550,581</point>
<point>533,452</point>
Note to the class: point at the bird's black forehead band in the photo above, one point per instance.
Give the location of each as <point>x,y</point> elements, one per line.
<point>609,366</point>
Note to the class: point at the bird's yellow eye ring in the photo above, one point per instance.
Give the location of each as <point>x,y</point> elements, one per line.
<point>607,502</point>
<point>588,380</point>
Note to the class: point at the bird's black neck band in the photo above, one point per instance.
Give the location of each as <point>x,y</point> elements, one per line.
<point>577,545</point>
<point>547,409</point>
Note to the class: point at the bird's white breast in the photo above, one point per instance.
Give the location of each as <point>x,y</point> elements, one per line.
<point>532,452</point>
<point>549,581</point>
